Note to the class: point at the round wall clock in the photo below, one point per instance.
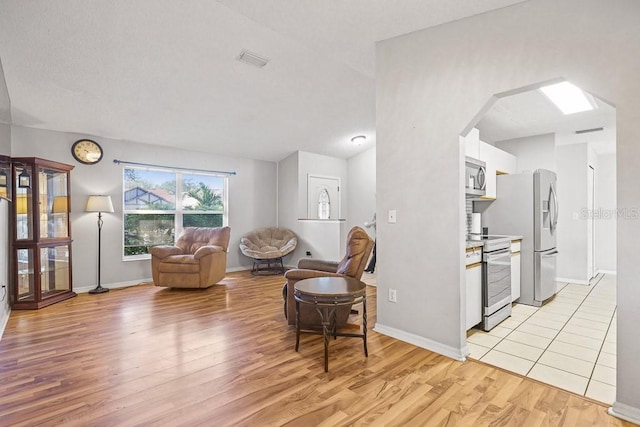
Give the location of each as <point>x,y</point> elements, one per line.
<point>86,151</point>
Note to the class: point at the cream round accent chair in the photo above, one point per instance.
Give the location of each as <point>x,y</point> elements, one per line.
<point>267,247</point>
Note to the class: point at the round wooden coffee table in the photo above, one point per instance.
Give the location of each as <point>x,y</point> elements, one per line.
<point>326,294</point>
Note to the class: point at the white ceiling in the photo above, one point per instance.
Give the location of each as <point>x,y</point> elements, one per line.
<point>532,113</point>
<point>164,71</point>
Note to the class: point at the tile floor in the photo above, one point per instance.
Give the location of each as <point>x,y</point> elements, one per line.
<point>570,342</point>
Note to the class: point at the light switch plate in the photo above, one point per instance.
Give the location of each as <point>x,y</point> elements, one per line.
<point>392,216</point>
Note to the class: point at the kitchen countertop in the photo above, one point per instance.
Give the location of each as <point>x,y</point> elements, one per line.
<point>479,244</point>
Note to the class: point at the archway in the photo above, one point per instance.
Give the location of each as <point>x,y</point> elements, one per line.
<point>570,340</point>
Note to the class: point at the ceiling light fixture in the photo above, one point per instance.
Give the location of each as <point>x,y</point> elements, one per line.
<point>568,97</point>
<point>359,139</point>
<point>252,59</point>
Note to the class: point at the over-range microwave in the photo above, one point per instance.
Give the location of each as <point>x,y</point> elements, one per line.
<point>475,177</point>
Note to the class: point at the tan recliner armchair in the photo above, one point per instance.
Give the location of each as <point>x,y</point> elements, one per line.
<point>198,260</point>
<point>359,246</point>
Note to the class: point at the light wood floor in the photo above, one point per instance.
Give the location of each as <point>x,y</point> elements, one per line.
<point>224,356</point>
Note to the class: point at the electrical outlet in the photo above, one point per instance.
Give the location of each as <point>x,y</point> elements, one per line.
<point>393,295</point>
<point>308,253</point>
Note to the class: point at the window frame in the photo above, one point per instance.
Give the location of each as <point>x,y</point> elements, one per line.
<point>178,212</point>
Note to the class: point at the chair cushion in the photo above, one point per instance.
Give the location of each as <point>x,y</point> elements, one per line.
<point>193,238</point>
<point>179,264</point>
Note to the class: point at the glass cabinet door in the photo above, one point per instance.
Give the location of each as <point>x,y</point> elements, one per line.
<point>23,203</point>
<point>53,202</point>
<point>26,282</point>
<point>54,270</point>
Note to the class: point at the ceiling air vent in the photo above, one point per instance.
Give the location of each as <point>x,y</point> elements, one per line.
<point>252,58</point>
<point>589,130</point>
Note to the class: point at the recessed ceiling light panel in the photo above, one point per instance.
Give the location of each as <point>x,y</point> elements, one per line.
<point>252,59</point>
<point>568,97</point>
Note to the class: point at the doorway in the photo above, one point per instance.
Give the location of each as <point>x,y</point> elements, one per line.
<point>569,341</point>
<point>591,273</point>
<point>323,197</point>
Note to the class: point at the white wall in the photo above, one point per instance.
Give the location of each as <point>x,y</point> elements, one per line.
<point>533,152</point>
<point>252,198</point>
<point>5,149</point>
<point>4,264</point>
<point>324,239</point>
<point>606,218</point>
<point>572,162</point>
<point>430,85</point>
<point>5,139</point>
<point>288,203</point>
<point>361,198</point>
<point>5,105</point>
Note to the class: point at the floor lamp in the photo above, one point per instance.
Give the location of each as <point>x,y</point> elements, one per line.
<point>99,204</point>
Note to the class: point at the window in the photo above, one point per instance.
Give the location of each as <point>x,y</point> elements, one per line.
<point>158,204</point>
<point>324,205</point>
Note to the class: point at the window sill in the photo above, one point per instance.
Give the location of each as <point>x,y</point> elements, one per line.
<point>143,257</point>
<point>321,220</point>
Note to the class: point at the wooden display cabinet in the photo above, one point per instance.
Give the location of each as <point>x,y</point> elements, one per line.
<point>5,177</point>
<point>41,233</point>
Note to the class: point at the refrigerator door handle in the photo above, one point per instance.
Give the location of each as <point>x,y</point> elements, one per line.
<point>555,206</point>
<point>553,218</point>
<point>550,254</point>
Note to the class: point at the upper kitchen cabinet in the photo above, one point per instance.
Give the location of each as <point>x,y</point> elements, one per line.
<point>498,162</point>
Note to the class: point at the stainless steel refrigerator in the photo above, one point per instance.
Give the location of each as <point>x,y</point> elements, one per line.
<point>527,205</point>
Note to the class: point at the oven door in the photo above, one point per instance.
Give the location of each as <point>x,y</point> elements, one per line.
<point>497,280</point>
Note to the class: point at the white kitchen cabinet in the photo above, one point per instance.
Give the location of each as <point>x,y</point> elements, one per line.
<point>498,162</point>
<point>474,287</point>
<point>515,270</point>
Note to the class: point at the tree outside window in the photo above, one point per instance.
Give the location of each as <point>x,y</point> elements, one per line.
<point>153,215</point>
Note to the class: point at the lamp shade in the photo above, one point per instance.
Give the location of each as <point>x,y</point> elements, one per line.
<point>21,204</point>
<point>99,204</point>
<point>59,204</point>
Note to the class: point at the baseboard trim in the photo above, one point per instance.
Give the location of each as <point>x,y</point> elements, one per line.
<point>115,285</point>
<point>625,412</point>
<point>3,322</point>
<point>612,272</point>
<point>574,281</point>
<point>84,289</point>
<point>422,342</point>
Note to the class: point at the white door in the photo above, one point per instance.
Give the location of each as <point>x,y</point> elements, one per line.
<point>323,197</point>
<point>590,224</point>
